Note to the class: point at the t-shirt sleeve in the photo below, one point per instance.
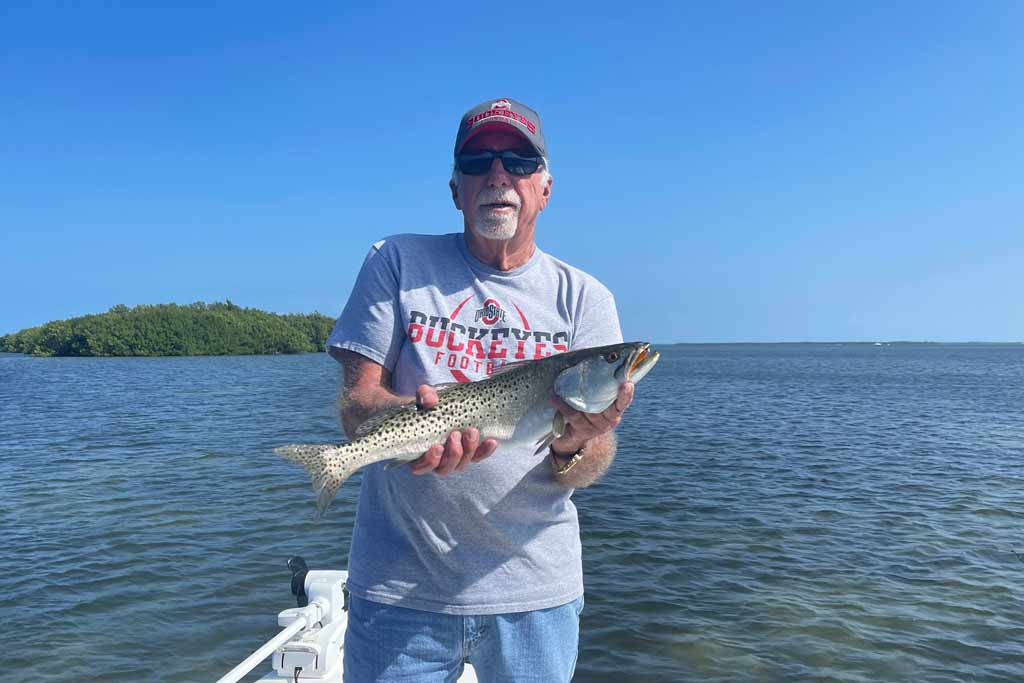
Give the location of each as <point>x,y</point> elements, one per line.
<point>370,324</point>
<point>597,323</point>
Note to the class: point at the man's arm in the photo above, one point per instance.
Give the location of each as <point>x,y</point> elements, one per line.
<point>366,390</point>
<point>594,433</point>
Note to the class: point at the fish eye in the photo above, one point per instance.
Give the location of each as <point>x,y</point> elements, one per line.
<point>612,356</point>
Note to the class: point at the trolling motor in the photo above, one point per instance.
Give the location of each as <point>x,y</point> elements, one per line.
<point>299,571</point>
<point>309,647</point>
<point>314,654</point>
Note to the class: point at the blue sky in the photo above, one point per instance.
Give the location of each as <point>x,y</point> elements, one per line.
<point>732,171</point>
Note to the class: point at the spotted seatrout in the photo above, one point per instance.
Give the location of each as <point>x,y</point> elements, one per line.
<point>512,405</point>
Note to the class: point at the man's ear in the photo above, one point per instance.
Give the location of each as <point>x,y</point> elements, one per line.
<point>455,194</point>
<point>545,193</point>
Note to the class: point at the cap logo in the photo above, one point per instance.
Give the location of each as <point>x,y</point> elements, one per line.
<point>503,109</point>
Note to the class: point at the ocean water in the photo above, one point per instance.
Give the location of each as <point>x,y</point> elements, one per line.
<point>775,513</point>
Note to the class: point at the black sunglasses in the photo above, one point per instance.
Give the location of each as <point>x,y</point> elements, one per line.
<point>479,163</point>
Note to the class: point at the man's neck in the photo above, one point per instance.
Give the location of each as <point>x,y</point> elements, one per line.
<point>505,255</point>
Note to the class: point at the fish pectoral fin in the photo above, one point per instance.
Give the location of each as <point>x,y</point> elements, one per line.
<point>558,424</point>
<point>400,460</point>
<point>544,442</point>
<point>557,429</point>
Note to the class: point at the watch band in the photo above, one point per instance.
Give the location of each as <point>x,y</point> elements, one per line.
<point>572,458</point>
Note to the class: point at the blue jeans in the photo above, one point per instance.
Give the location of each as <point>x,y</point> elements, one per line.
<point>399,645</point>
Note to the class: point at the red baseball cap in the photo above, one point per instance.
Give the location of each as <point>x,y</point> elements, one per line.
<point>501,114</point>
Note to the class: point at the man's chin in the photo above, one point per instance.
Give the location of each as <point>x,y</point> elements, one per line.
<point>502,231</point>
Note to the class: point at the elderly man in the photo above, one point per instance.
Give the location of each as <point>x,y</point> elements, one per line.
<point>462,556</point>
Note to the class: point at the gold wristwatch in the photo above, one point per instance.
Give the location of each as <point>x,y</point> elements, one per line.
<point>573,458</point>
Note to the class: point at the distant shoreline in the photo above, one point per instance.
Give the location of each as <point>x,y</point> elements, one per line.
<point>847,343</point>
<point>172,330</point>
<point>675,345</point>
<point>225,329</point>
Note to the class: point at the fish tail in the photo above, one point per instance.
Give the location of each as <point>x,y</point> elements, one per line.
<point>329,466</point>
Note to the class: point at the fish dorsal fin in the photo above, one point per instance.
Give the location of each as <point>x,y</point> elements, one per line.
<point>378,418</point>
<point>509,367</point>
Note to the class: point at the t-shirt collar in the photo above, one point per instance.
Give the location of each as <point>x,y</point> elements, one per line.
<point>484,269</point>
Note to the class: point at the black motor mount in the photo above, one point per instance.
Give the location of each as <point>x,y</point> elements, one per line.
<point>298,567</point>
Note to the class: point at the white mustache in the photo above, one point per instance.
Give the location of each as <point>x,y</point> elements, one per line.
<point>498,197</point>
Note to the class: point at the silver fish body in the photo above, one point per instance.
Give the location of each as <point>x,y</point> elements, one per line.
<point>512,405</point>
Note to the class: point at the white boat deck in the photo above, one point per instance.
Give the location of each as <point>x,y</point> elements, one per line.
<point>309,648</point>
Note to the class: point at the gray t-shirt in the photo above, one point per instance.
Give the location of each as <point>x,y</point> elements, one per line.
<point>502,536</point>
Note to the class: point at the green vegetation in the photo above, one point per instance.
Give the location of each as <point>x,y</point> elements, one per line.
<point>198,329</point>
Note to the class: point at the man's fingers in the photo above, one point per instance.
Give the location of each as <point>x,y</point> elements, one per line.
<point>582,426</point>
<point>452,454</point>
<point>624,398</point>
<point>428,461</point>
<point>470,442</point>
<point>596,422</point>
<point>588,425</point>
<point>426,396</point>
<point>459,450</point>
<point>485,450</point>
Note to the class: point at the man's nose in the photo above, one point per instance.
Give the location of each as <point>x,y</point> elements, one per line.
<point>498,176</point>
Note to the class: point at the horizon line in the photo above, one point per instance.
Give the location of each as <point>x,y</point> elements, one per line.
<point>838,342</point>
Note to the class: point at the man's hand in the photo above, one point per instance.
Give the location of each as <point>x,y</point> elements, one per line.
<point>460,448</point>
<point>582,427</point>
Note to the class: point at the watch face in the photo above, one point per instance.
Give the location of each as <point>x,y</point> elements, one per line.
<point>564,463</point>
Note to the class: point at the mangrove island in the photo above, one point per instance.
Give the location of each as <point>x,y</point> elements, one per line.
<point>198,329</point>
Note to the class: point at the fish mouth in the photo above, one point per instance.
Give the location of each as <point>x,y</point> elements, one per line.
<point>643,359</point>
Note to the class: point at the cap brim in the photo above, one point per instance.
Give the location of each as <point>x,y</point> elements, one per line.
<point>497,127</point>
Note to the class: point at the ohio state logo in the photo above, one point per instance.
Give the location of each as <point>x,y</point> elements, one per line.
<point>480,349</point>
<point>501,108</point>
<point>490,313</point>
